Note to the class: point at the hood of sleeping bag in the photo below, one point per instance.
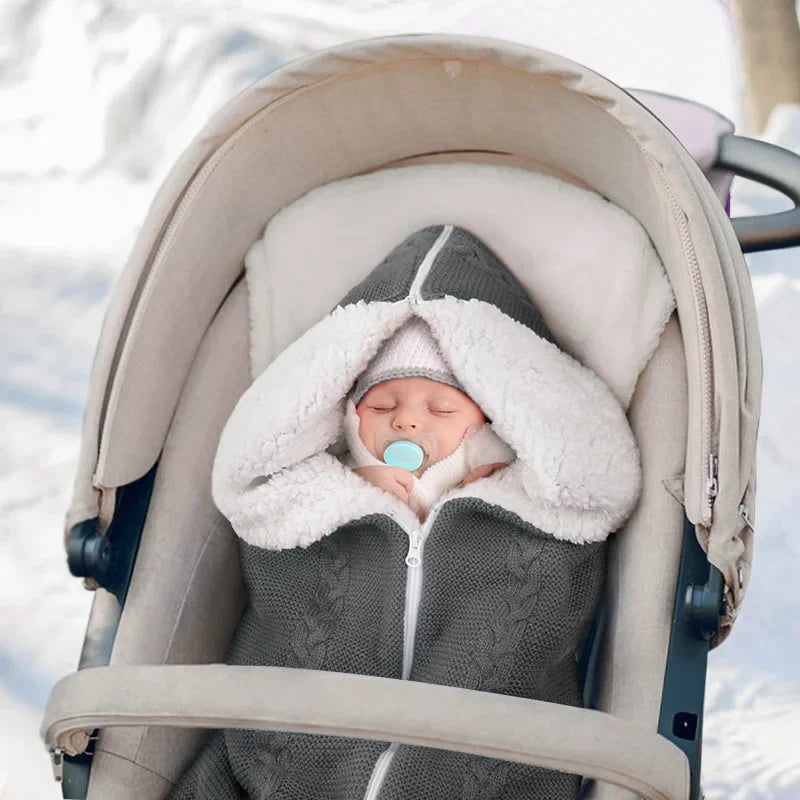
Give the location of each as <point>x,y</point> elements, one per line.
<point>278,476</point>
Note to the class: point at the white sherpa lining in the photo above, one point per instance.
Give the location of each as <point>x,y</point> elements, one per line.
<point>577,473</point>
<point>588,265</point>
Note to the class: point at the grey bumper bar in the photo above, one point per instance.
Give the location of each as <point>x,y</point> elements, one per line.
<point>773,166</point>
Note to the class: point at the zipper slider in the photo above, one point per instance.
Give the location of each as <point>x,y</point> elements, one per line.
<point>713,475</point>
<point>744,513</point>
<point>414,557</point>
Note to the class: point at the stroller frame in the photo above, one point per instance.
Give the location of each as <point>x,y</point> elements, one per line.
<point>718,331</point>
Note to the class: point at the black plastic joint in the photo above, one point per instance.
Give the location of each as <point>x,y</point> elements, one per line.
<point>109,558</point>
<point>704,605</point>
<point>88,553</point>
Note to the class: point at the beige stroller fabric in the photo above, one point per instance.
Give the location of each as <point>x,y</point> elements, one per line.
<point>369,105</point>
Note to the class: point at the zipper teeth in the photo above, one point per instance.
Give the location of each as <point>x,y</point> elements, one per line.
<point>704,331</point>
<point>410,627</point>
<point>427,263</point>
<point>413,593</point>
<point>413,572</point>
<point>379,771</point>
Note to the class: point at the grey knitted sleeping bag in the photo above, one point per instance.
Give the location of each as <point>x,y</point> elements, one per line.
<point>507,571</point>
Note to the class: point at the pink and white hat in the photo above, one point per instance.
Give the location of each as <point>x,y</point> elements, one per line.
<point>411,353</point>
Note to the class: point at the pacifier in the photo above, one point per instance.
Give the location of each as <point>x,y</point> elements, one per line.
<point>405,454</point>
<point>411,453</point>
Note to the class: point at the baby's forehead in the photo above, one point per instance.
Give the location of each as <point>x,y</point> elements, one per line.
<point>416,386</point>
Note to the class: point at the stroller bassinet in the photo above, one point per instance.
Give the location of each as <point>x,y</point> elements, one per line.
<point>174,357</point>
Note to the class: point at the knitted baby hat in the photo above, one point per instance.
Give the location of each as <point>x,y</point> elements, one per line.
<point>412,352</point>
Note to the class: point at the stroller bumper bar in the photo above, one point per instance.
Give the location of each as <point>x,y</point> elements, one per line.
<point>576,740</point>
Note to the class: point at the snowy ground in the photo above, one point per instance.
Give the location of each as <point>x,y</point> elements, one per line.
<point>96,101</point>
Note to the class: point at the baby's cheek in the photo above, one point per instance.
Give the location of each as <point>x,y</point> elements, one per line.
<point>447,443</point>
<point>453,439</point>
<point>367,438</point>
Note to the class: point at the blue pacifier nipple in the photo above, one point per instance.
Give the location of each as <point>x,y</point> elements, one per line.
<point>404,454</point>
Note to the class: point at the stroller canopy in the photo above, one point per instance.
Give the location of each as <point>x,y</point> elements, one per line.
<point>173,360</point>
<point>369,105</point>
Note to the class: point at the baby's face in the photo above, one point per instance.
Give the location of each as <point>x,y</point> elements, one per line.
<point>417,409</point>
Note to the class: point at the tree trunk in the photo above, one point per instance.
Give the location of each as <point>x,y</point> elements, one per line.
<point>769,43</point>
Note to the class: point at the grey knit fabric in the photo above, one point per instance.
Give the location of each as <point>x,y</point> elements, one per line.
<point>210,775</point>
<point>410,353</point>
<point>507,622</point>
<point>503,608</point>
<point>391,280</point>
<point>466,268</point>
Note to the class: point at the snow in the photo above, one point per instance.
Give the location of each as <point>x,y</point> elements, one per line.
<point>98,98</point>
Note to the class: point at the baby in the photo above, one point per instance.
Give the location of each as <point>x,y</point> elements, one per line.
<point>408,394</point>
<point>386,529</point>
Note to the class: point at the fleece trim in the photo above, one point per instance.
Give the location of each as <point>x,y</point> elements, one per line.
<point>577,474</point>
<point>579,462</point>
<point>589,265</point>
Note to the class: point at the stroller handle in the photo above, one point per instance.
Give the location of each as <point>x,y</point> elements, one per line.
<point>772,166</point>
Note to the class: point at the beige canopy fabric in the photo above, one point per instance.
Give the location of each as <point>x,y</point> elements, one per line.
<point>367,105</point>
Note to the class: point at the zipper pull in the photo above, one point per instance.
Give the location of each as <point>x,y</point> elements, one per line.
<point>744,513</point>
<point>713,477</point>
<point>414,556</point>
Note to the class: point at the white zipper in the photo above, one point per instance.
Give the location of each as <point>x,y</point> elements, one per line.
<point>416,540</point>
<point>427,262</point>
<point>707,457</point>
<point>379,771</point>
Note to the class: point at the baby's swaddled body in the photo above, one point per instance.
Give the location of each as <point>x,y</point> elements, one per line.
<point>486,583</point>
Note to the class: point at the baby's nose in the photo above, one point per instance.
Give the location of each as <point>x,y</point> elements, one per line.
<point>406,421</point>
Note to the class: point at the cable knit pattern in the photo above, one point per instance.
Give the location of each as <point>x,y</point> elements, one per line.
<point>493,656</point>
<point>273,760</point>
<point>310,636</point>
<point>494,653</point>
<point>485,779</point>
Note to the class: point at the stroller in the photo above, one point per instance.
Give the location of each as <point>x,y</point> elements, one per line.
<point>176,353</point>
